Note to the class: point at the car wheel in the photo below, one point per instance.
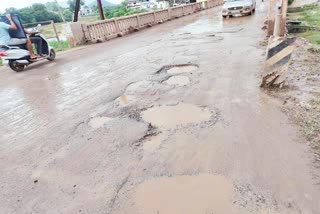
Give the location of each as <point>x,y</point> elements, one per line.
<point>224,17</point>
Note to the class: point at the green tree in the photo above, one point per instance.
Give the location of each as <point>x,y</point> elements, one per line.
<point>67,14</point>
<point>72,4</point>
<point>52,6</point>
<point>121,10</point>
<point>35,13</point>
<point>11,10</point>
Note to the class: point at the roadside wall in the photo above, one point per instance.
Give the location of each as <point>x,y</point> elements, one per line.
<point>112,28</point>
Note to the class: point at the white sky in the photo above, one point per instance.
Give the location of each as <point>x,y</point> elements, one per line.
<point>24,3</point>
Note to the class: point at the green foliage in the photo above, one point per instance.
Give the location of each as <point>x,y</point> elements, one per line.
<point>121,10</point>
<point>72,4</point>
<point>36,13</point>
<point>67,14</point>
<point>64,45</point>
<point>290,2</point>
<point>51,6</point>
<point>310,16</point>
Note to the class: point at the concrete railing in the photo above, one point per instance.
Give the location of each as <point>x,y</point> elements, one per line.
<point>108,29</point>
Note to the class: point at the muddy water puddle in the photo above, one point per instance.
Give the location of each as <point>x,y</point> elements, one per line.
<point>154,143</point>
<point>167,117</point>
<point>190,194</point>
<point>182,69</point>
<point>184,194</point>
<point>99,122</point>
<point>178,80</point>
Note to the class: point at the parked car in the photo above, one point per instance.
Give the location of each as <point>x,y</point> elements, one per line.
<point>238,7</point>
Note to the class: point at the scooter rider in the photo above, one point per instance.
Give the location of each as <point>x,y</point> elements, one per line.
<point>35,40</point>
<point>5,38</point>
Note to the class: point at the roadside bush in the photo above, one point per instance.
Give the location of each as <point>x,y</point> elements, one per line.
<point>63,46</point>
<point>290,2</point>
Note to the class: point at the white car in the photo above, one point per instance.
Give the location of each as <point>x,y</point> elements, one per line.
<point>238,7</point>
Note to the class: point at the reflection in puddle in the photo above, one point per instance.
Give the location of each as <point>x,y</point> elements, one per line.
<point>98,122</point>
<point>182,69</point>
<point>184,194</point>
<point>171,116</point>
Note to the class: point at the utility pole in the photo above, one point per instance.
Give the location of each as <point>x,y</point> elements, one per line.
<point>284,9</point>
<point>76,11</point>
<point>99,4</point>
<point>60,12</point>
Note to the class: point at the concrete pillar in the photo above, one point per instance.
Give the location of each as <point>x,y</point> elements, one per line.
<point>74,33</point>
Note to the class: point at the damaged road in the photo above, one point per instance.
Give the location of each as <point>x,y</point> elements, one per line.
<point>166,120</point>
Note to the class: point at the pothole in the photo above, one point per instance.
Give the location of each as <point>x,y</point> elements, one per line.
<point>177,69</point>
<point>98,122</point>
<point>189,194</point>
<point>140,86</point>
<point>167,117</point>
<point>182,69</point>
<point>178,80</point>
<point>204,193</point>
<point>154,143</point>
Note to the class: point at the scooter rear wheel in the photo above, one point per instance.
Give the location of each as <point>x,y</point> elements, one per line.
<point>15,66</point>
<point>52,55</point>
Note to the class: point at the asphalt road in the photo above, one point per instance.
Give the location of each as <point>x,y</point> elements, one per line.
<point>166,120</point>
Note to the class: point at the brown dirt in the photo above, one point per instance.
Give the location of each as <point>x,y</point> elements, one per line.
<point>300,98</point>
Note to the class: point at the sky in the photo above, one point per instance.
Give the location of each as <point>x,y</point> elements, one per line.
<point>24,3</point>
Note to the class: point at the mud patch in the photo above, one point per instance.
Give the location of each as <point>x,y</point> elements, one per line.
<point>183,194</point>
<point>99,122</point>
<point>167,117</point>
<point>178,80</point>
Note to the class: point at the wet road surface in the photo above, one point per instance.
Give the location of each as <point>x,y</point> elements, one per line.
<point>167,120</point>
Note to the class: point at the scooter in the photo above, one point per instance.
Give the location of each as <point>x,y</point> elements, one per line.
<point>17,56</point>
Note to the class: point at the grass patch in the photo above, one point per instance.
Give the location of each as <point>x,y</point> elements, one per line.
<point>310,16</point>
<point>1,62</point>
<point>64,45</point>
<point>312,36</point>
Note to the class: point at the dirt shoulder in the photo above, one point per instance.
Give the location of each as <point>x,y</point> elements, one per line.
<point>301,97</point>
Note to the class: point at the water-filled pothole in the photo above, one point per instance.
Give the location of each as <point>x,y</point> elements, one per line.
<point>178,80</point>
<point>167,117</point>
<point>177,69</point>
<point>98,122</point>
<point>204,193</point>
<point>154,142</point>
